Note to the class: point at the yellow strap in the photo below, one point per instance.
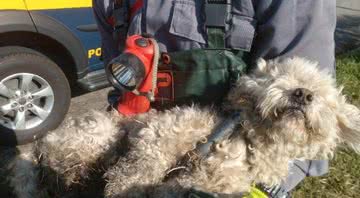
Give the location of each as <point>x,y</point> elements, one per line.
<point>256,193</point>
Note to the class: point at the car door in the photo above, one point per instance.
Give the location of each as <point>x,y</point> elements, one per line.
<point>78,17</point>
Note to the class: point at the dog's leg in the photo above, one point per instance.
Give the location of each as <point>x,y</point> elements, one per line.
<point>165,138</point>
<point>21,171</point>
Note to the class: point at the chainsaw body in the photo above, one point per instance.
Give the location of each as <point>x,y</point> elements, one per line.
<point>133,73</point>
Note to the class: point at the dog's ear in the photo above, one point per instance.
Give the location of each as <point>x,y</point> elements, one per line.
<point>261,65</point>
<point>348,117</point>
<point>266,67</point>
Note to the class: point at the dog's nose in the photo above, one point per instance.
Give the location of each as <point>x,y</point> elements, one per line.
<point>303,96</point>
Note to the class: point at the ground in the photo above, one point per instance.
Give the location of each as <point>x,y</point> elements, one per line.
<point>96,100</point>
<point>348,25</point>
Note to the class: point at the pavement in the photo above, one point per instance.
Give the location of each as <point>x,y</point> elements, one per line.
<point>347,35</point>
<point>96,100</point>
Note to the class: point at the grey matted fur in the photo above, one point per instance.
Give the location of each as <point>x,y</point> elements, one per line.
<point>292,111</point>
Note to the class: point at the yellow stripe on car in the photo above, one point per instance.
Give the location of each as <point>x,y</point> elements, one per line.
<point>57,4</point>
<point>12,5</point>
<point>43,4</point>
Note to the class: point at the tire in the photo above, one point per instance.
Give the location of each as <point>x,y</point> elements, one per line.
<point>16,63</point>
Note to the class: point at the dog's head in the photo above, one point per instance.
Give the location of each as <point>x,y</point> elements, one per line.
<point>300,104</point>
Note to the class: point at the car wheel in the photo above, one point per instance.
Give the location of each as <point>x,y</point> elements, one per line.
<point>34,95</point>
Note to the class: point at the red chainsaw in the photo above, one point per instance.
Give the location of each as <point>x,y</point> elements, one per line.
<point>134,72</point>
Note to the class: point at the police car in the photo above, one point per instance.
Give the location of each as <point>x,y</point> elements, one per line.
<point>47,49</point>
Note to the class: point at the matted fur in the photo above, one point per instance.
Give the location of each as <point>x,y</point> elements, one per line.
<point>68,160</point>
<point>20,168</point>
<point>275,130</point>
<point>164,138</point>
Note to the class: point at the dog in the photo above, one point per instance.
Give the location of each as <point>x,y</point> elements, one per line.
<point>68,162</point>
<point>290,110</point>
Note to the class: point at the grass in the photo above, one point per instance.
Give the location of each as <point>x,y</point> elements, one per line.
<point>343,179</point>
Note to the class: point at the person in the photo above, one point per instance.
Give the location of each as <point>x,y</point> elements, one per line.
<point>267,29</point>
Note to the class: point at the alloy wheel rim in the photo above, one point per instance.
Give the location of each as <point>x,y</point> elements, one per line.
<point>26,101</point>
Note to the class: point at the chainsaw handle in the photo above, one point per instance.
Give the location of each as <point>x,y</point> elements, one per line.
<point>221,132</point>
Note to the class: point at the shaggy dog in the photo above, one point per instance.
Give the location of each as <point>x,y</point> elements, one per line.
<point>290,110</point>
<point>68,162</point>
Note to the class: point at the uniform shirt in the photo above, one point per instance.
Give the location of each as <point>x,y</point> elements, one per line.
<point>268,29</point>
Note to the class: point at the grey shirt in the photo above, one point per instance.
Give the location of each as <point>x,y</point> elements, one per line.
<point>269,29</point>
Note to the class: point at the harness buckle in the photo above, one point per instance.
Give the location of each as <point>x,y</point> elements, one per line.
<point>217,13</point>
